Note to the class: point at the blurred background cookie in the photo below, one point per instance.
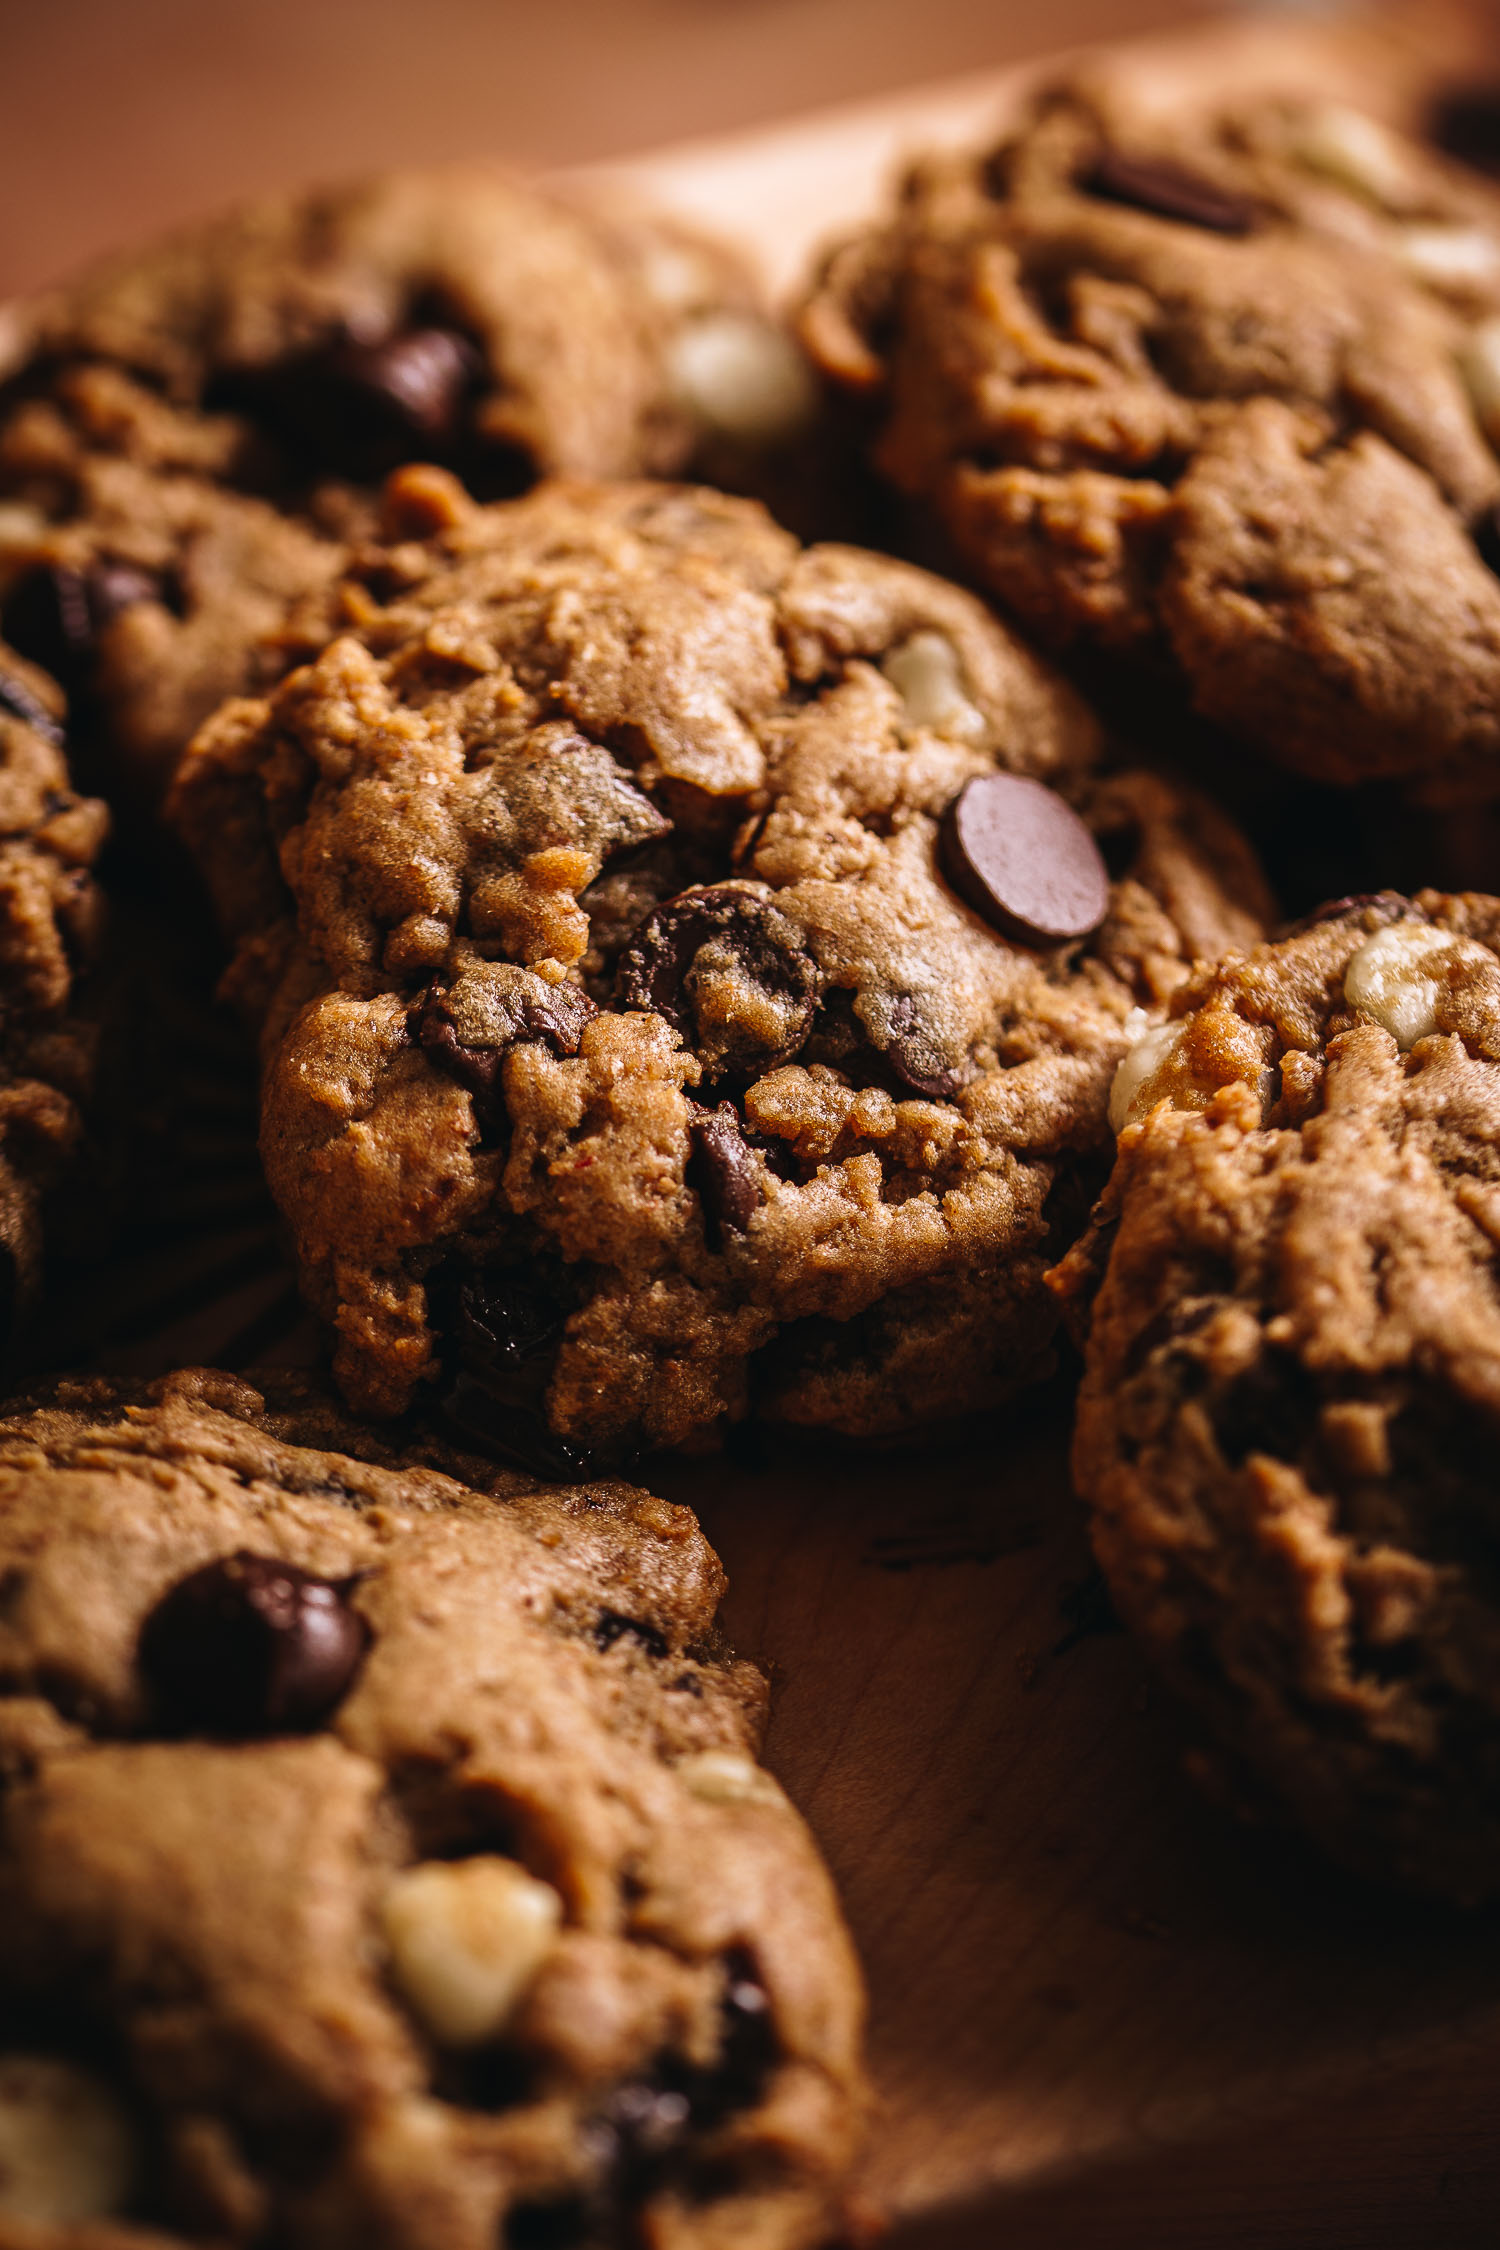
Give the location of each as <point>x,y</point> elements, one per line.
<point>1292,1399</point>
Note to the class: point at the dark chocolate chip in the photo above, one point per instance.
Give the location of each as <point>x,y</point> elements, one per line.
<point>56,615</point>
<point>477,1069</point>
<point>660,966</point>
<point>417,381</point>
<point>1168,191</point>
<point>612,1625</point>
<point>1389,906</point>
<point>747,2050</point>
<point>1024,860</point>
<point>252,1645</point>
<point>723,1172</point>
<point>18,702</point>
<point>558,1015</point>
<point>362,407</point>
<point>915,1060</point>
<point>504,1333</point>
<point>1465,122</point>
<point>47,618</point>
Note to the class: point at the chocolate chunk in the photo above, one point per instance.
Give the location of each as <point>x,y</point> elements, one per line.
<point>56,615</point>
<point>747,2051</point>
<point>1465,121</point>
<point>1168,191</point>
<point>363,407</point>
<point>477,1069</point>
<point>732,936</point>
<point>1024,860</point>
<point>1391,906</point>
<point>915,1060</point>
<point>251,1645</point>
<point>722,1172</point>
<point>557,1014</point>
<point>748,2048</point>
<point>504,1334</point>
<point>611,1626</point>
<point>18,702</point>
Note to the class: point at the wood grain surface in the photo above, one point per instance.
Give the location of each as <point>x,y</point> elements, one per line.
<point>1104,2011</point>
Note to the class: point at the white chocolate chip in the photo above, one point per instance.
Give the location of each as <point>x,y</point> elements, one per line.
<point>466,1937</point>
<point>1479,364</point>
<point>67,2152</point>
<point>743,378</point>
<point>724,1777</point>
<point>1449,257</point>
<point>1353,149</point>
<point>1134,1092</point>
<point>1388,980</point>
<point>926,674</point>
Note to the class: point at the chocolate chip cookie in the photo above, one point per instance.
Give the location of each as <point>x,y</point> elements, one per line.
<point>188,432</point>
<point>1288,1426</point>
<point>1212,387</point>
<point>50,916</point>
<point>386,1859</point>
<point>691,968</point>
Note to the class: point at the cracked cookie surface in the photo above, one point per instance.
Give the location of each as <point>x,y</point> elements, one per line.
<point>385,1858</point>
<point>1287,1427</point>
<point>1215,387</point>
<point>189,432</point>
<point>628,1057</point>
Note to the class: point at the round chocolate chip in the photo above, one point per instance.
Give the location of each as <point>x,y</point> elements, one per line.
<point>728,971</point>
<point>1024,860</point>
<point>251,1645</point>
<point>1168,191</point>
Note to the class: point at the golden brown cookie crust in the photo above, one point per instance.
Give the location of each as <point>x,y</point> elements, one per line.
<point>589,898</point>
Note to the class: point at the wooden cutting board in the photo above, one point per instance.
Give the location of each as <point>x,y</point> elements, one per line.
<point>1103,2013</point>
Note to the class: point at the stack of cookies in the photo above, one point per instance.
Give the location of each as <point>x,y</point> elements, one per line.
<point>705,975</point>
